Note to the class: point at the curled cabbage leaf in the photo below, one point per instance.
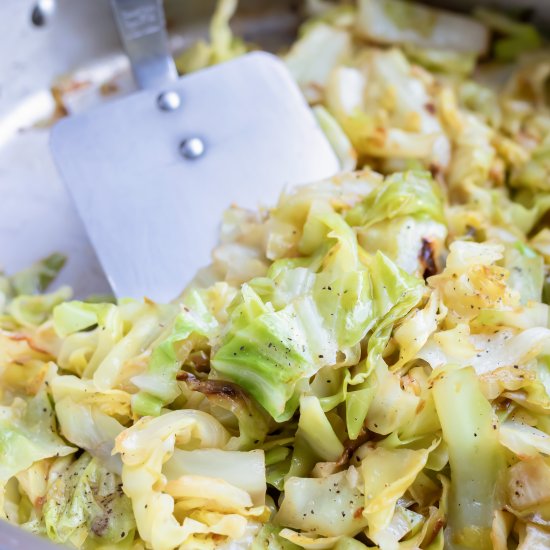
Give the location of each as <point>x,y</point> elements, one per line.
<point>85,502</point>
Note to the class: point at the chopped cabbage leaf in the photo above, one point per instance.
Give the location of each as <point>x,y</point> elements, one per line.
<point>316,430</point>
<point>38,276</point>
<point>411,193</point>
<point>337,137</point>
<point>91,419</point>
<point>269,538</point>
<point>277,350</point>
<point>399,22</point>
<point>159,385</point>
<point>27,435</point>
<point>272,353</point>
<point>223,45</point>
<point>441,60</point>
<point>516,38</point>
<point>244,470</point>
<point>394,116</point>
<point>387,475</point>
<point>312,58</point>
<point>157,504</point>
<point>329,506</point>
<point>33,310</point>
<point>476,457</point>
<point>526,269</point>
<point>86,502</point>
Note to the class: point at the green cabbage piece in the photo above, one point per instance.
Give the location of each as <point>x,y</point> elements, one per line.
<point>292,323</point>
<point>401,22</point>
<point>315,428</point>
<point>245,470</point>
<point>271,353</point>
<point>86,502</point>
<point>403,523</point>
<point>358,402</point>
<point>328,506</point>
<point>411,193</point>
<point>442,61</point>
<point>115,334</point>
<point>38,276</point>
<point>33,310</point>
<point>524,440</point>
<point>347,543</point>
<point>223,45</point>
<point>75,316</point>
<point>159,386</point>
<point>528,488</point>
<point>515,38</point>
<point>23,285</point>
<point>268,539</point>
<point>387,475</point>
<point>535,173</point>
<point>378,129</point>
<point>253,422</point>
<point>482,100</point>
<point>518,215</point>
<point>28,434</point>
<point>327,12</point>
<point>337,138</point>
<point>395,293</point>
<point>83,419</point>
<point>526,269</point>
<point>476,457</point>
<point>314,55</point>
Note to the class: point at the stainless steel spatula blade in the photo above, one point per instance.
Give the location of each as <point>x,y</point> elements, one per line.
<point>151,181</point>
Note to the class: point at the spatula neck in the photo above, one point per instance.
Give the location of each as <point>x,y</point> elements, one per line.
<point>142,28</point>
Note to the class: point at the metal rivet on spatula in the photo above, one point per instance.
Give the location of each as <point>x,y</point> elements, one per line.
<point>42,12</point>
<point>192,148</point>
<point>168,101</point>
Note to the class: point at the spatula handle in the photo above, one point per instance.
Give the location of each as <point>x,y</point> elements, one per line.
<point>142,29</point>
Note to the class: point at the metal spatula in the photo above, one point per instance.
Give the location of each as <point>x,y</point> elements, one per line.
<point>151,174</point>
